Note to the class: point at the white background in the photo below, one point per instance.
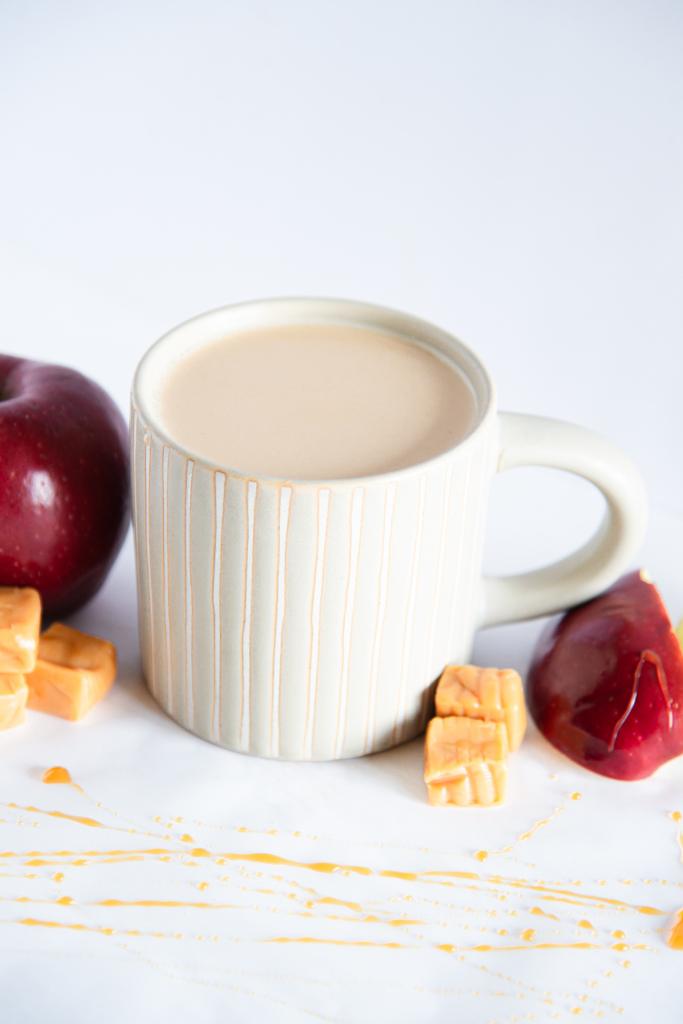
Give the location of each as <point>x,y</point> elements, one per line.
<point>511,171</point>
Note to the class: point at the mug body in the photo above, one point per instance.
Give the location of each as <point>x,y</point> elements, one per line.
<point>305,619</point>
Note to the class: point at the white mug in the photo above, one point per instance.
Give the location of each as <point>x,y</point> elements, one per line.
<point>309,620</point>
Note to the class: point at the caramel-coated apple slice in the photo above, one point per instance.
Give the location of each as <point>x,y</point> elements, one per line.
<point>606,682</point>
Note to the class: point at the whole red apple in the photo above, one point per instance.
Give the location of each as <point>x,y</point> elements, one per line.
<point>606,682</point>
<point>64,491</point>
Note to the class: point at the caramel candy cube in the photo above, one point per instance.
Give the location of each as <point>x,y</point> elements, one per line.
<point>20,609</point>
<point>13,697</point>
<point>491,694</point>
<point>465,761</point>
<point>73,672</point>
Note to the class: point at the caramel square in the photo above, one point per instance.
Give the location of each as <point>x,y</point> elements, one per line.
<point>73,672</point>
<point>465,761</point>
<point>20,609</point>
<point>13,697</point>
<point>489,694</point>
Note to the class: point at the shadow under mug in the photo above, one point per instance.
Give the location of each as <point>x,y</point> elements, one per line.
<point>309,619</point>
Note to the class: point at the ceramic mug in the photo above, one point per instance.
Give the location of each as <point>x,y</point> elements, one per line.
<point>308,620</point>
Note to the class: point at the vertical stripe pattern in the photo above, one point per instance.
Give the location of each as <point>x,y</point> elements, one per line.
<point>314,627</point>
<point>284,498</point>
<point>410,613</point>
<point>219,492</point>
<point>168,681</point>
<point>382,590</point>
<point>150,610</point>
<point>247,589</point>
<point>347,622</point>
<point>304,620</point>
<point>188,596</point>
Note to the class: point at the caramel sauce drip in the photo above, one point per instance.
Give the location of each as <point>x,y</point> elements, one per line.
<point>57,776</point>
<point>86,821</point>
<point>675,937</point>
<point>482,855</point>
<point>310,940</point>
<point>485,947</point>
<point>35,858</point>
<point>77,818</point>
<point>543,913</point>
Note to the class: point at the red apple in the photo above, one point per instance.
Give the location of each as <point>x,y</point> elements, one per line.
<point>606,682</point>
<point>64,492</point>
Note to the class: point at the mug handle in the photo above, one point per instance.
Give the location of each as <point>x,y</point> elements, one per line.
<point>538,441</point>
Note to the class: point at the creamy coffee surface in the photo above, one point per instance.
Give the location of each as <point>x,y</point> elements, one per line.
<point>311,402</point>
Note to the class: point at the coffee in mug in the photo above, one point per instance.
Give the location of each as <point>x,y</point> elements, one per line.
<point>316,401</point>
<point>310,483</point>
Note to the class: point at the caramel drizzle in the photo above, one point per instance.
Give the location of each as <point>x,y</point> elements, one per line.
<point>674,939</point>
<point>79,819</point>
<point>34,858</point>
<point>447,947</point>
<point>482,855</point>
<point>470,880</point>
<point>77,926</point>
<point>58,776</point>
<point>157,904</point>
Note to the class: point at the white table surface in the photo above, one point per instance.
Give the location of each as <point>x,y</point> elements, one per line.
<point>510,171</point>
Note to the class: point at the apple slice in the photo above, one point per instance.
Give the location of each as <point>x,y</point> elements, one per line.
<point>606,682</point>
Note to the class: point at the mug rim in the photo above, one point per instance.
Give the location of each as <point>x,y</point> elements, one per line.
<point>321,310</point>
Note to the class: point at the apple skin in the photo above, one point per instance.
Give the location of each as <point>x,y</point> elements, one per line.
<point>64,483</point>
<point>606,682</point>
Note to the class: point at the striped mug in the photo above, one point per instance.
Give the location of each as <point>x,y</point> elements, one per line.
<point>309,620</point>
